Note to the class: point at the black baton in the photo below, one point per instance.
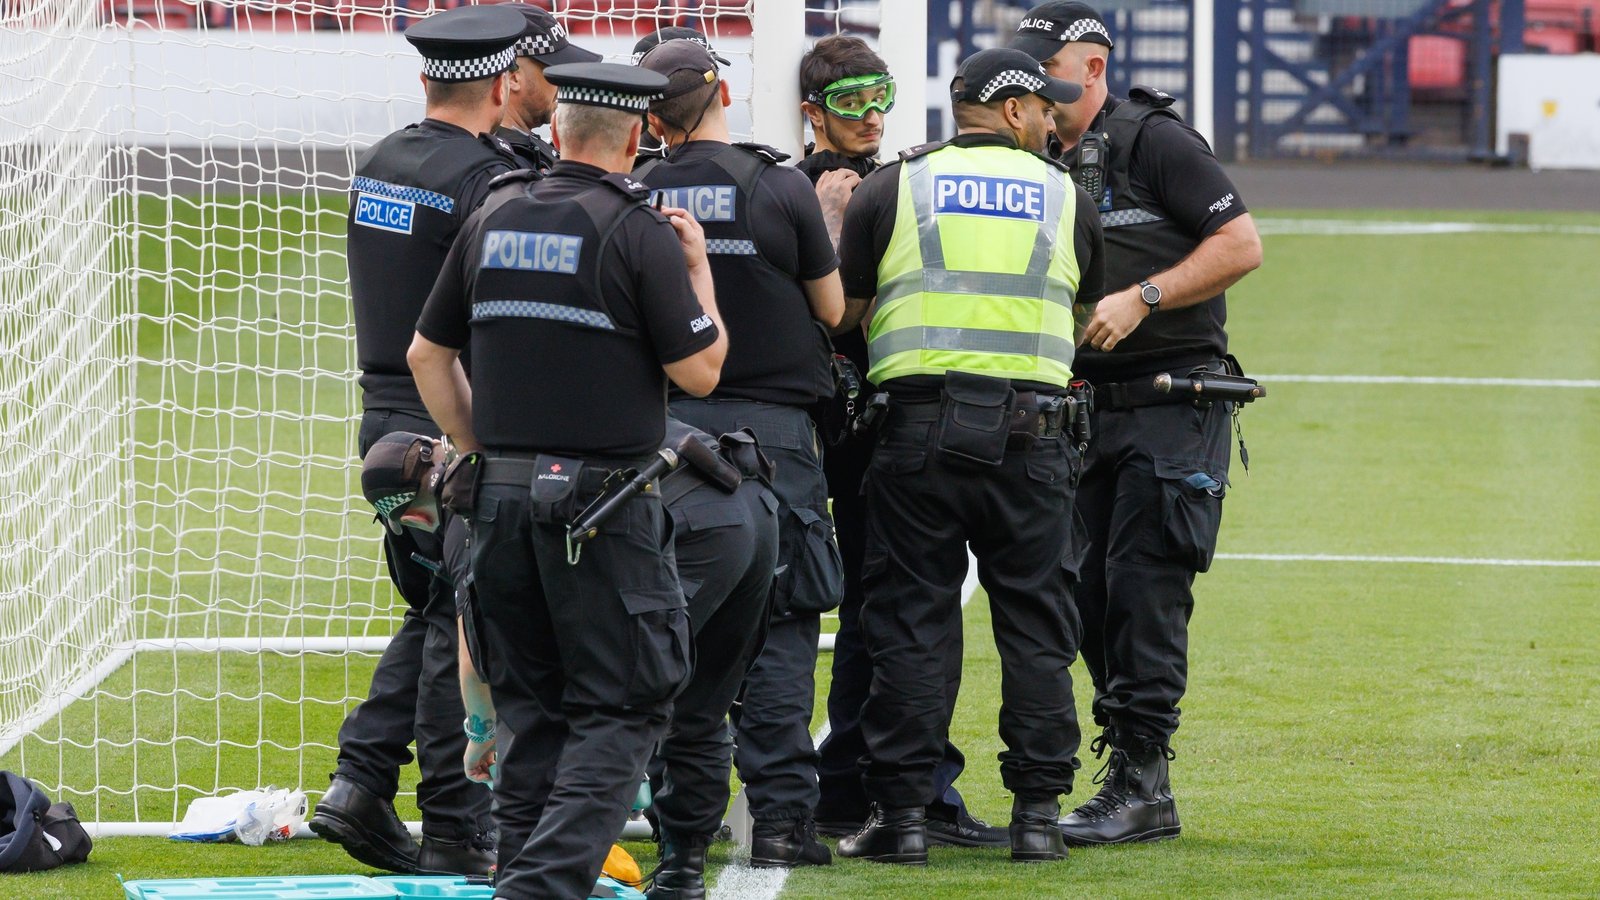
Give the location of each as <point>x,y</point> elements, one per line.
<point>1213,386</point>
<point>606,505</point>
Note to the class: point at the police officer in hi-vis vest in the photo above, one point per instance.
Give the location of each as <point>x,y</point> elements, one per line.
<point>982,256</point>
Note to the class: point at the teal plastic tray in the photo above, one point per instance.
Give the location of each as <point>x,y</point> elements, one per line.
<point>305,887</point>
<point>430,887</point>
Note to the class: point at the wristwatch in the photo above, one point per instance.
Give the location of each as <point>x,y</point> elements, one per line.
<point>1150,294</point>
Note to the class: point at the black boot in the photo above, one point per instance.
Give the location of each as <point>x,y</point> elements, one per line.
<point>786,843</point>
<point>893,835</point>
<point>1134,804</point>
<point>1035,833</point>
<point>681,874</point>
<point>470,856</point>
<point>366,826</point>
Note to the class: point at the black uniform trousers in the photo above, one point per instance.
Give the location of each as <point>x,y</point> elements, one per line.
<point>1152,524</point>
<point>839,756</point>
<point>727,548</point>
<point>775,754</point>
<point>415,694</point>
<point>922,512</point>
<point>582,662</point>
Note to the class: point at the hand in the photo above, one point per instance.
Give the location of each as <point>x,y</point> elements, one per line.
<point>1115,317</point>
<point>834,189</point>
<point>690,235</point>
<point>479,762</point>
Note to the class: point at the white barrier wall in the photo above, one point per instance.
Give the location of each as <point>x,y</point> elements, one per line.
<point>1555,101</point>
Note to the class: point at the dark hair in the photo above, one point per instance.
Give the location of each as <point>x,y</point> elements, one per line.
<point>685,112</point>
<point>834,57</point>
<point>457,93</point>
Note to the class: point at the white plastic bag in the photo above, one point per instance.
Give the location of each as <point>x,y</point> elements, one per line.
<point>274,817</point>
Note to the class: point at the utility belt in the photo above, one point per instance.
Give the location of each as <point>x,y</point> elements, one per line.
<point>736,458</point>
<point>977,418</point>
<point>558,486</point>
<point>1201,384</point>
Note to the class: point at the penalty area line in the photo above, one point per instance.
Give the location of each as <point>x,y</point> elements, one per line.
<point>1414,560</point>
<point>1580,383</point>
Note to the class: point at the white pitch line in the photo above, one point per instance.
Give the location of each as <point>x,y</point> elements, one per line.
<point>1581,383</point>
<point>1357,227</point>
<point>739,882</point>
<point>1415,560</point>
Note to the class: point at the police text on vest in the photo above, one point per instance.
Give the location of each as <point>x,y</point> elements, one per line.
<point>705,202</point>
<point>385,213</point>
<point>986,195</point>
<point>532,251</point>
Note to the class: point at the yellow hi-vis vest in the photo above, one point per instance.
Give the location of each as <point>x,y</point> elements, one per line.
<point>980,273</point>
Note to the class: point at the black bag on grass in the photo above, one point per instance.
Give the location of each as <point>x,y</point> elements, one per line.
<point>34,834</point>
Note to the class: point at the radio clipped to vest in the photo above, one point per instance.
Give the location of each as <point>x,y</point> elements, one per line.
<point>1089,166</point>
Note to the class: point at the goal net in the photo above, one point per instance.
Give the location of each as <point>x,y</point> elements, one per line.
<point>192,592</point>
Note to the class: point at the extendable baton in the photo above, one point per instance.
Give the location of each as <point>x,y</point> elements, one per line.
<point>596,514</point>
<point>1213,386</point>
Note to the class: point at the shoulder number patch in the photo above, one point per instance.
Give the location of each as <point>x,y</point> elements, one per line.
<point>385,213</point>
<point>987,195</point>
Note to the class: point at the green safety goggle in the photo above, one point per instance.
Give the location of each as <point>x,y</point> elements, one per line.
<point>854,97</point>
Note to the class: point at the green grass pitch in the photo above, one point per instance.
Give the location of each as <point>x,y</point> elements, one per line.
<point>1352,729</point>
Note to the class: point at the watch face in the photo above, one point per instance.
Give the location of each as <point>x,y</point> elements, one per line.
<point>1150,293</point>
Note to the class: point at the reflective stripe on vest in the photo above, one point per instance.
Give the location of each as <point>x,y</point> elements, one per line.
<point>980,273</point>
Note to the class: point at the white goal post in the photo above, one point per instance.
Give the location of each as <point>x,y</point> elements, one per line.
<point>192,591</point>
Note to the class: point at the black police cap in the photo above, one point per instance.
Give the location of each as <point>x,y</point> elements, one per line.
<point>467,43</point>
<point>612,85</point>
<point>674,33</point>
<point>1050,26</point>
<point>992,75</point>
<point>545,39</point>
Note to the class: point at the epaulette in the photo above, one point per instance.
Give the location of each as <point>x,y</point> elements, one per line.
<point>771,155</point>
<point>1052,161</point>
<point>515,176</point>
<point>626,185</point>
<point>1150,96</point>
<point>499,145</point>
<point>921,150</point>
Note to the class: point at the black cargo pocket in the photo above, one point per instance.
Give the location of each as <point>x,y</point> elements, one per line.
<point>663,656</point>
<point>898,459</point>
<point>1050,462</point>
<point>810,571</point>
<point>1192,511</point>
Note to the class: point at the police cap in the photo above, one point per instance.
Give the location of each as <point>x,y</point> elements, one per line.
<point>396,469</point>
<point>467,43</point>
<point>673,33</point>
<point>544,39</point>
<point>1050,26</point>
<point>992,75</point>
<point>612,85</point>
<point>686,64</point>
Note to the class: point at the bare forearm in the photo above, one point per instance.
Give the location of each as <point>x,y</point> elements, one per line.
<point>445,392</point>
<point>1227,255</point>
<point>474,690</point>
<point>856,312</point>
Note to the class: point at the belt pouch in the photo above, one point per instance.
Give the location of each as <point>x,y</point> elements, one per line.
<point>554,494</point>
<point>458,489</point>
<point>975,418</point>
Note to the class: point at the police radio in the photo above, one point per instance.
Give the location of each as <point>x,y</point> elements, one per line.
<point>1089,169</point>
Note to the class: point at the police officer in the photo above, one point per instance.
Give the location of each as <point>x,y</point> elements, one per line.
<point>1177,235</point>
<point>411,193</point>
<point>579,303</point>
<point>775,269</point>
<point>972,338</point>
<point>848,90</point>
<point>530,98</point>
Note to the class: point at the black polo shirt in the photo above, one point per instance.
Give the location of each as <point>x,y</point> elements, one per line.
<point>870,218</point>
<point>1173,174</point>
<point>571,360</point>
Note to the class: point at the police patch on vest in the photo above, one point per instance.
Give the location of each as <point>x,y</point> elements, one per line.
<point>986,195</point>
<point>385,213</point>
<point>705,202</point>
<point>532,251</point>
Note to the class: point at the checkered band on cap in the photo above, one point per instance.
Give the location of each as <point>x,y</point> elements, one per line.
<point>468,69</point>
<point>541,44</point>
<point>593,96</point>
<point>389,504</point>
<point>1010,78</point>
<point>1078,29</point>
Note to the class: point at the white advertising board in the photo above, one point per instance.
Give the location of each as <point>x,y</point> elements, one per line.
<point>1555,101</point>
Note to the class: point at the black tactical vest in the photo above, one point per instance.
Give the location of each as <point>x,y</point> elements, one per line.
<point>777,353</point>
<point>1141,240</point>
<point>557,367</point>
<point>406,206</point>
